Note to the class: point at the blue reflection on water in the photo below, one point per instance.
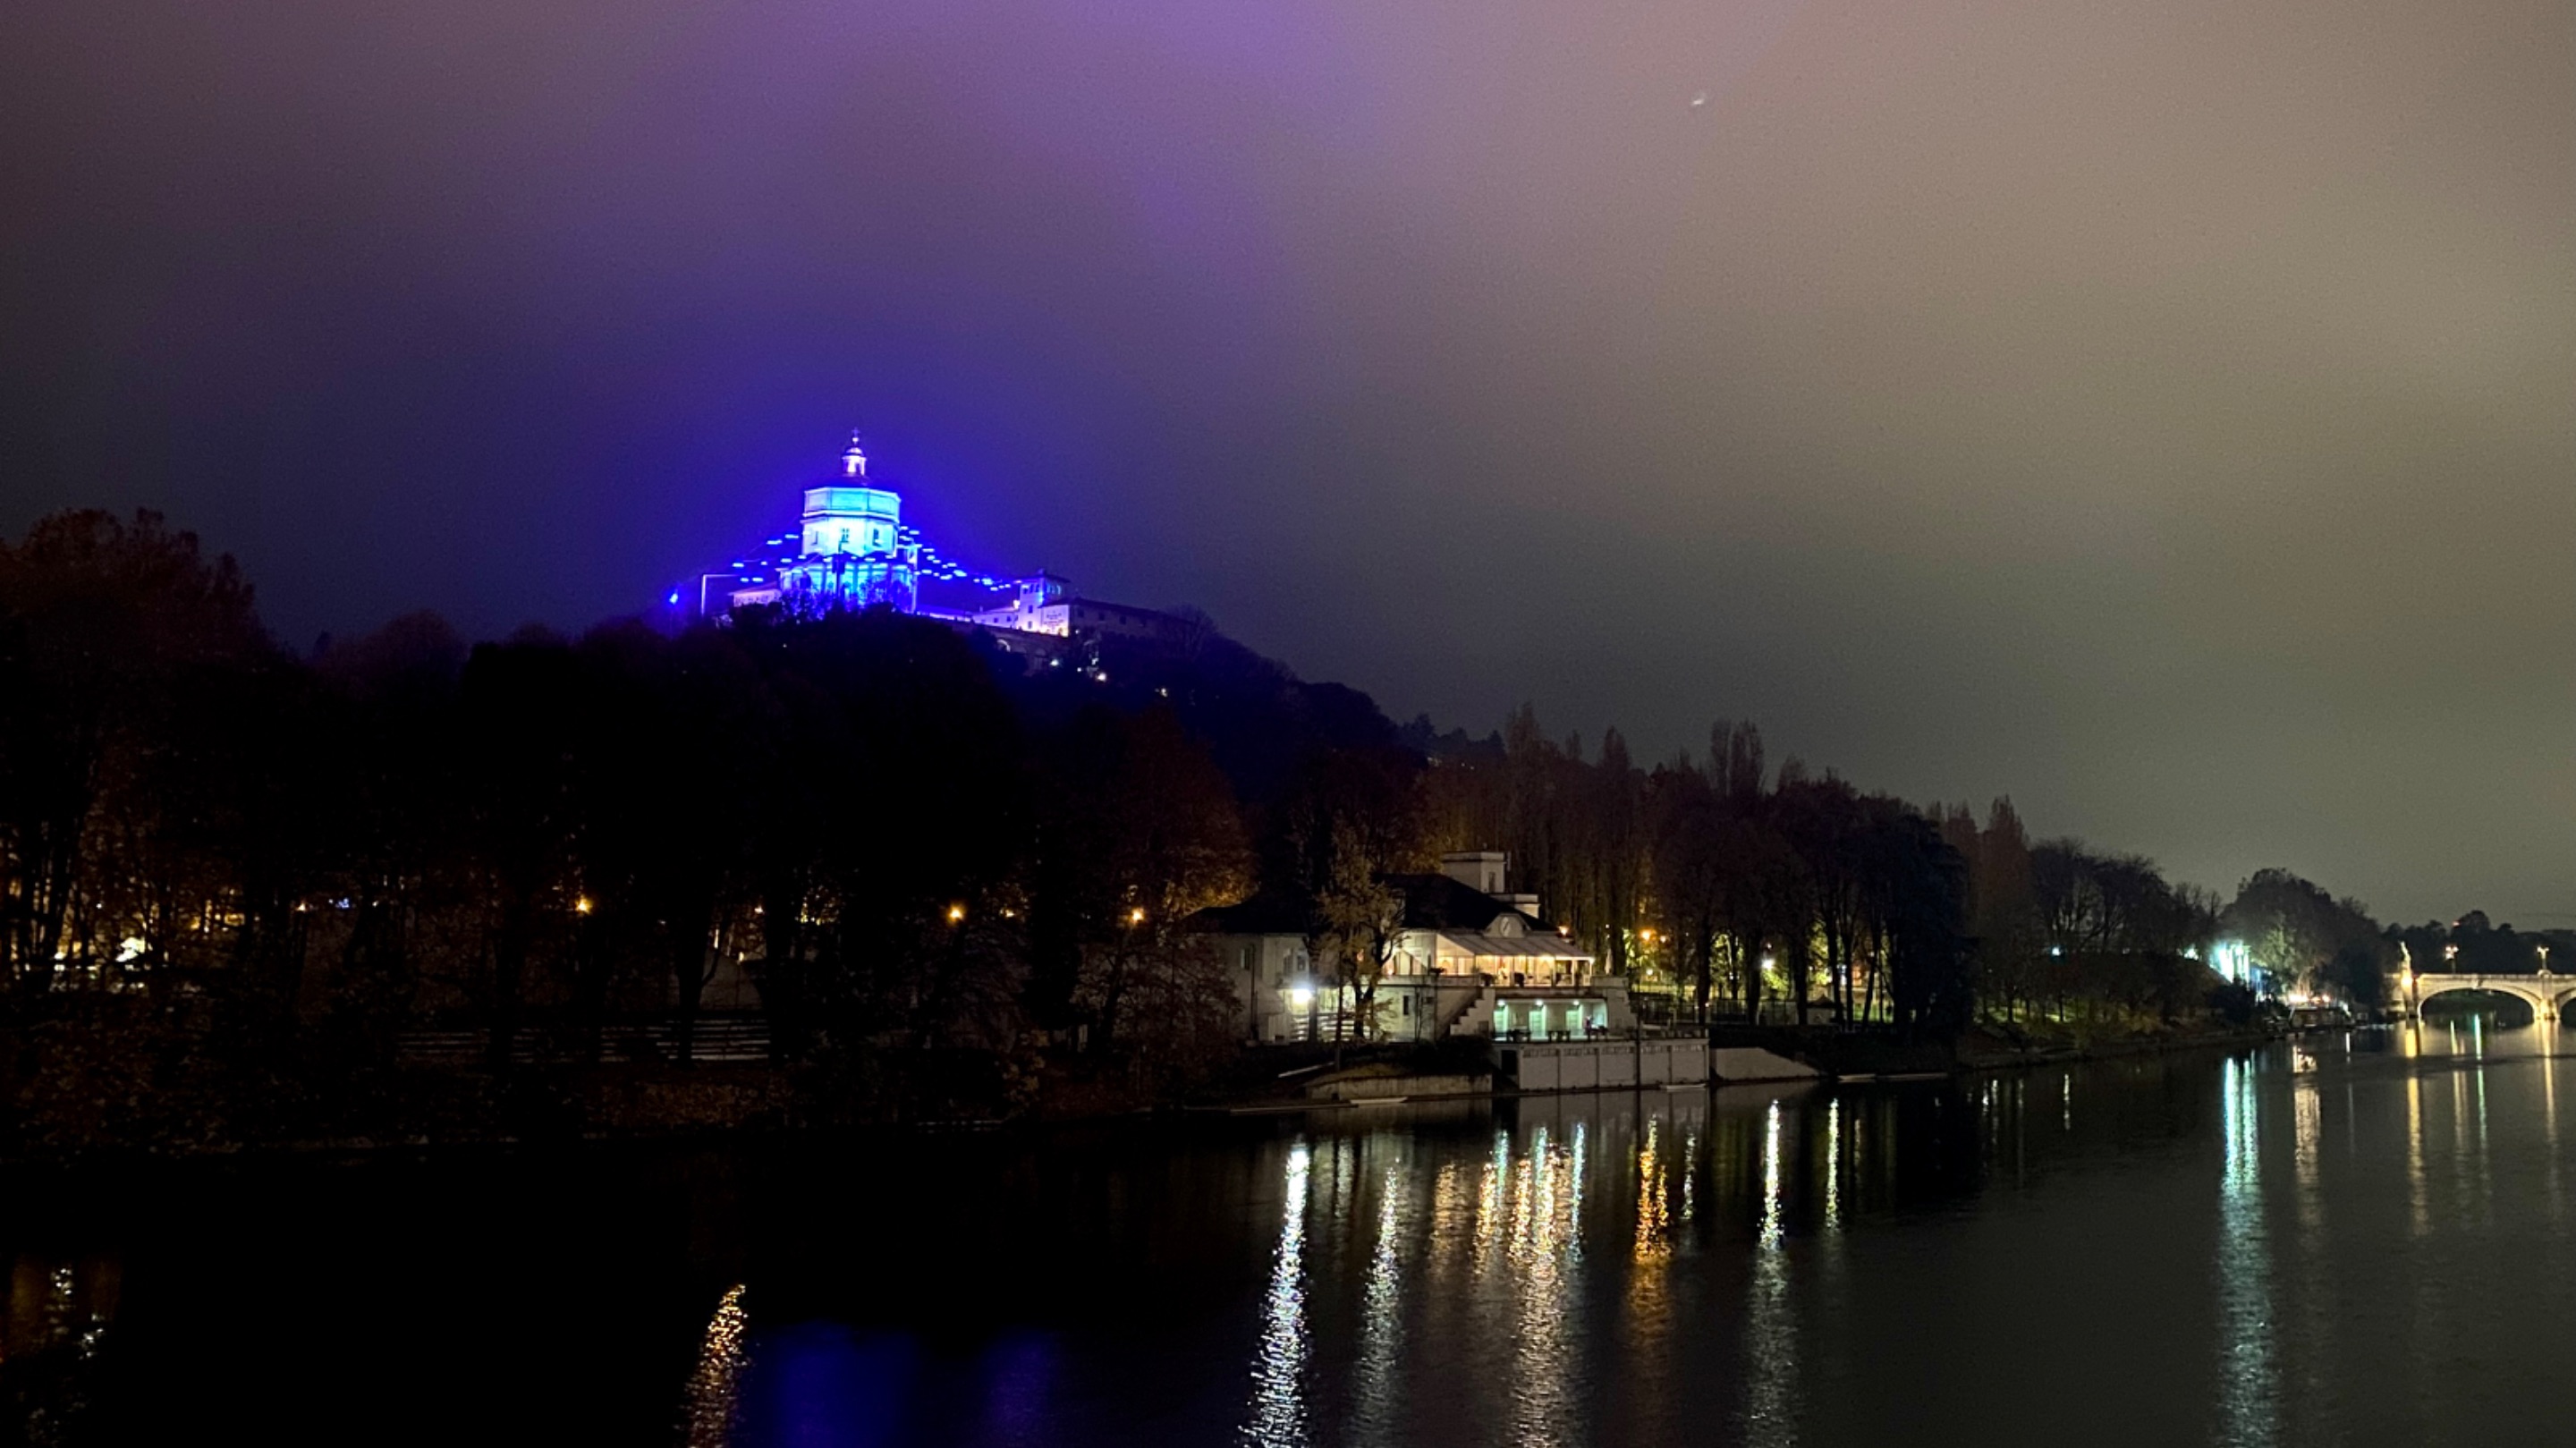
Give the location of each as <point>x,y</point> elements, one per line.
<point>813,1383</point>
<point>1018,1374</point>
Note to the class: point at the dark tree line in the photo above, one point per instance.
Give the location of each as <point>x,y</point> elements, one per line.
<point>901,839</point>
<point>1741,889</point>
<point>910,842</point>
<point>1744,889</point>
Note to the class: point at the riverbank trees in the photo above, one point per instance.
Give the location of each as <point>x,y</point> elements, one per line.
<point>904,842</point>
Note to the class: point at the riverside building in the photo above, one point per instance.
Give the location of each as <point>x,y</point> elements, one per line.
<point>1472,959</point>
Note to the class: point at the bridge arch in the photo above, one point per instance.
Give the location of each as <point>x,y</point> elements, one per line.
<point>2546,995</point>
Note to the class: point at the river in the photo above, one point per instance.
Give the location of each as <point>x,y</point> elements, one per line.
<point>2353,1238</point>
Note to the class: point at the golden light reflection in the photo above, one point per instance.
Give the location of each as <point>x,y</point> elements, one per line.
<point>2549,1130</point>
<point>2481,1183</point>
<point>715,1387</point>
<point>2462,1192</point>
<point>1453,1211</point>
<point>1489,1196</point>
<point>1533,1221</point>
<point>2307,1123</point>
<point>1650,1271</point>
<point>1575,1186</point>
<point>2419,1208</point>
<point>1654,1214</point>
<point>2549,1098</point>
<point>1542,1247</point>
<point>1690,1172</point>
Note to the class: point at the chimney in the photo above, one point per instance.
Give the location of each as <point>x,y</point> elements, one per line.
<point>1476,869</point>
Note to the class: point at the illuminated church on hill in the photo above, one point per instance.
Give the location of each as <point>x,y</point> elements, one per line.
<point>852,551</point>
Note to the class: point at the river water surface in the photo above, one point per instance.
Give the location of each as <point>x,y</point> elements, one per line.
<point>2352,1239</point>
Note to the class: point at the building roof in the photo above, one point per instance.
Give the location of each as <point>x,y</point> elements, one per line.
<point>1438,902</point>
<point>1268,913</point>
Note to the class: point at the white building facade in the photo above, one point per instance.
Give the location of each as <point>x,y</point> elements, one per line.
<point>1471,960</point>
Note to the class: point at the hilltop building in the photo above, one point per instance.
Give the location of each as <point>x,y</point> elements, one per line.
<point>852,550</point>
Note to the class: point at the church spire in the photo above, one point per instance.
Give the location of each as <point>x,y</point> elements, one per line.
<point>854,463</point>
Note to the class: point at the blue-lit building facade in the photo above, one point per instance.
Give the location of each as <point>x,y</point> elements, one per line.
<point>851,550</point>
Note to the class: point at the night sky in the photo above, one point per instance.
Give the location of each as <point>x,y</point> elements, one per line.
<point>2163,411</point>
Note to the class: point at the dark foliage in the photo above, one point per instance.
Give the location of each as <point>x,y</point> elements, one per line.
<point>239,889</point>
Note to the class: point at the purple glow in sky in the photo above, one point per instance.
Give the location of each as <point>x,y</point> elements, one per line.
<point>2157,411</point>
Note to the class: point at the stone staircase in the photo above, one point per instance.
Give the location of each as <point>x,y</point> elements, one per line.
<point>1474,1018</point>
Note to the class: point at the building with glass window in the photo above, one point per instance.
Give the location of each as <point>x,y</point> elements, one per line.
<point>1471,960</point>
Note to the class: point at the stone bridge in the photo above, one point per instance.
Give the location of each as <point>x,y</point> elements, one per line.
<point>2545,992</point>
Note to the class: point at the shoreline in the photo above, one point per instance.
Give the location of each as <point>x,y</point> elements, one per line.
<point>760,1085</point>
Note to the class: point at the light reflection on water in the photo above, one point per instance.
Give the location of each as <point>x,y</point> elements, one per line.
<point>2248,1389</point>
<point>714,1406</point>
<point>1771,1330</point>
<point>2347,1239</point>
<point>1278,1416</point>
<point>1379,1397</point>
<point>1815,1264</point>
